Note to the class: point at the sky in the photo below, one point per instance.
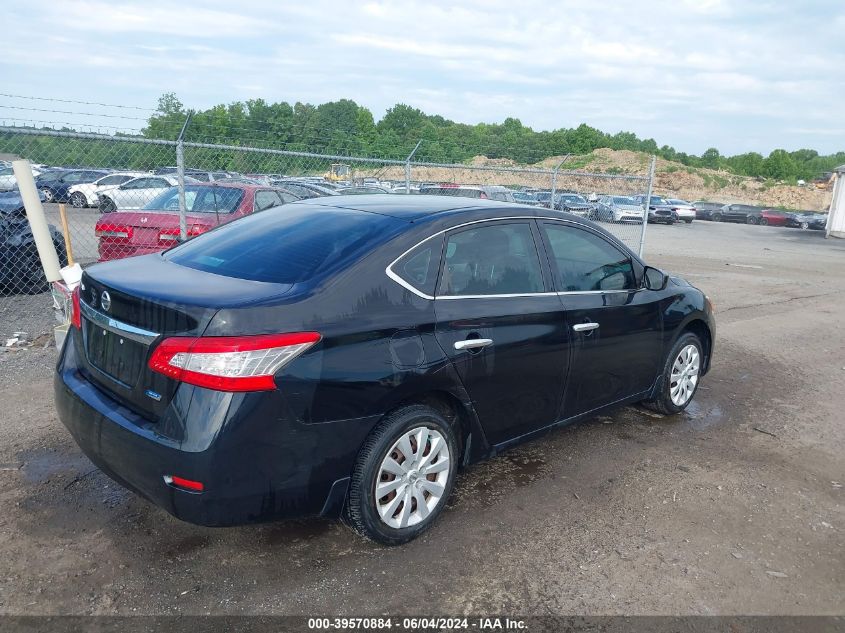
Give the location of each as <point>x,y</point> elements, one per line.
<point>739,76</point>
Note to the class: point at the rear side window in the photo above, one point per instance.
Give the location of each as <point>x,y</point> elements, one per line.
<point>583,261</point>
<point>266,199</point>
<point>492,260</point>
<point>287,245</point>
<point>419,267</point>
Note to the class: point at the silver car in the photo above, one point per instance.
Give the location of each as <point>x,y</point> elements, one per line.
<point>617,209</point>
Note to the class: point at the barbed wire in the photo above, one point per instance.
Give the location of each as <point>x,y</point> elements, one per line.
<point>94,103</point>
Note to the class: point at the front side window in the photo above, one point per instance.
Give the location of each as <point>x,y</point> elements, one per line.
<point>492,260</point>
<point>584,261</point>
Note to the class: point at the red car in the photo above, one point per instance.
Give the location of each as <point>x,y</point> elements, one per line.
<point>771,217</point>
<point>156,226</point>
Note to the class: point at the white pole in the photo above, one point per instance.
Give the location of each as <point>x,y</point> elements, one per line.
<point>37,219</point>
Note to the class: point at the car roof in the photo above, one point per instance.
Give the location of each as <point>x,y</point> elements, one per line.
<point>415,208</point>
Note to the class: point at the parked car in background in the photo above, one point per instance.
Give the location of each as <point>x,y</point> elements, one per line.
<point>295,362</point>
<point>20,265</point>
<point>87,194</point>
<point>526,197</point>
<point>55,185</point>
<point>704,209</point>
<point>573,203</point>
<point>485,192</point>
<point>135,193</point>
<point>305,188</point>
<point>768,217</point>
<point>658,210</point>
<point>735,213</point>
<point>156,226</point>
<point>361,190</point>
<point>683,209</point>
<point>807,220</point>
<point>617,209</point>
<point>7,177</point>
<point>199,175</point>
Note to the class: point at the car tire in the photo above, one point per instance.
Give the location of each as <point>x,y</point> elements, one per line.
<point>763,222</point>
<point>716,217</point>
<point>107,205</point>
<point>672,396</point>
<point>751,220</point>
<point>48,194</point>
<point>380,518</point>
<point>805,226</point>
<point>78,200</point>
<point>688,221</point>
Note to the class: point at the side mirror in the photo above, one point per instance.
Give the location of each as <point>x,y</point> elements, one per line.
<point>654,279</point>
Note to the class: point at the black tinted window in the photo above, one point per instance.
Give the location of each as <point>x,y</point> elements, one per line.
<point>419,267</point>
<point>286,245</point>
<point>491,260</point>
<point>584,261</point>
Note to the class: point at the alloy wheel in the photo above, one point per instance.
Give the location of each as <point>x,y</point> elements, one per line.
<point>684,376</point>
<point>412,477</point>
<point>77,200</point>
<point>48,194</point>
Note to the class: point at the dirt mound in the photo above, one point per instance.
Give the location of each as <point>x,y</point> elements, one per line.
<point>672,179</point>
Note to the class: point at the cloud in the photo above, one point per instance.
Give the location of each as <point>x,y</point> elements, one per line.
<point>692,74</point>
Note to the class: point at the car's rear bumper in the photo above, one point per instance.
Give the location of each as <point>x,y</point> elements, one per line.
<point>257,468</point>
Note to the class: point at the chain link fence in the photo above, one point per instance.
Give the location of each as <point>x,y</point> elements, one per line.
<point>167,190</point>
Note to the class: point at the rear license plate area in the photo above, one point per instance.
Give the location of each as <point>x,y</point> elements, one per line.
<point>116,356</point>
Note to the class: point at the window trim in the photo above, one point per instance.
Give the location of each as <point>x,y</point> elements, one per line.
<point>530,218</point>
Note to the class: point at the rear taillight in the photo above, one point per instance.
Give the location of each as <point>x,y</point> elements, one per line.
<point>118,231</point>
<point>75,310</point>
<point>229,363</point>
<point>171,236</point>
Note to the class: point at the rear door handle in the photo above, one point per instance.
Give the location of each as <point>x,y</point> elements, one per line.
<point>473,343</point>
<point>585,327</point>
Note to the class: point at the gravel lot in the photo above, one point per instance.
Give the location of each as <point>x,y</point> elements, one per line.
<point>735,507</point>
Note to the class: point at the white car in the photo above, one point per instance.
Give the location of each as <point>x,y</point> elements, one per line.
<point>135,193</point>
<point>87,194</point>
<point>684,210</point>
<point>8,180</point>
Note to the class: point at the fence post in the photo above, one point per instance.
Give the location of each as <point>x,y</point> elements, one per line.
<point>647,204</point>
<point>180,177</point>
<point>554,180</point>
<point>408,167</point>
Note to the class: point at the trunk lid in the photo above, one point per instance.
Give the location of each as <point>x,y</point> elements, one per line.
<point>127,311</point>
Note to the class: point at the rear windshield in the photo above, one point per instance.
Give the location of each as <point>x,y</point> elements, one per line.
<point>288,245</point>
<point>198,199</point>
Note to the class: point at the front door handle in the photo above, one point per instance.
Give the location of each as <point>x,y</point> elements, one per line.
<point>585,327</point>
<point>473,343</point>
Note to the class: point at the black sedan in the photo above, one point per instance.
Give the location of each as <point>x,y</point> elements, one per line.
<point>20,266</point>
<point>346,355</point>
<point>807,220</point>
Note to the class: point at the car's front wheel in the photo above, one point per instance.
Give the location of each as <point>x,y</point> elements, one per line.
<point>403,476</point>
<point>107,205</point>
<point>680,377</point>
<point>47,193</point>
<point>78,200</point>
